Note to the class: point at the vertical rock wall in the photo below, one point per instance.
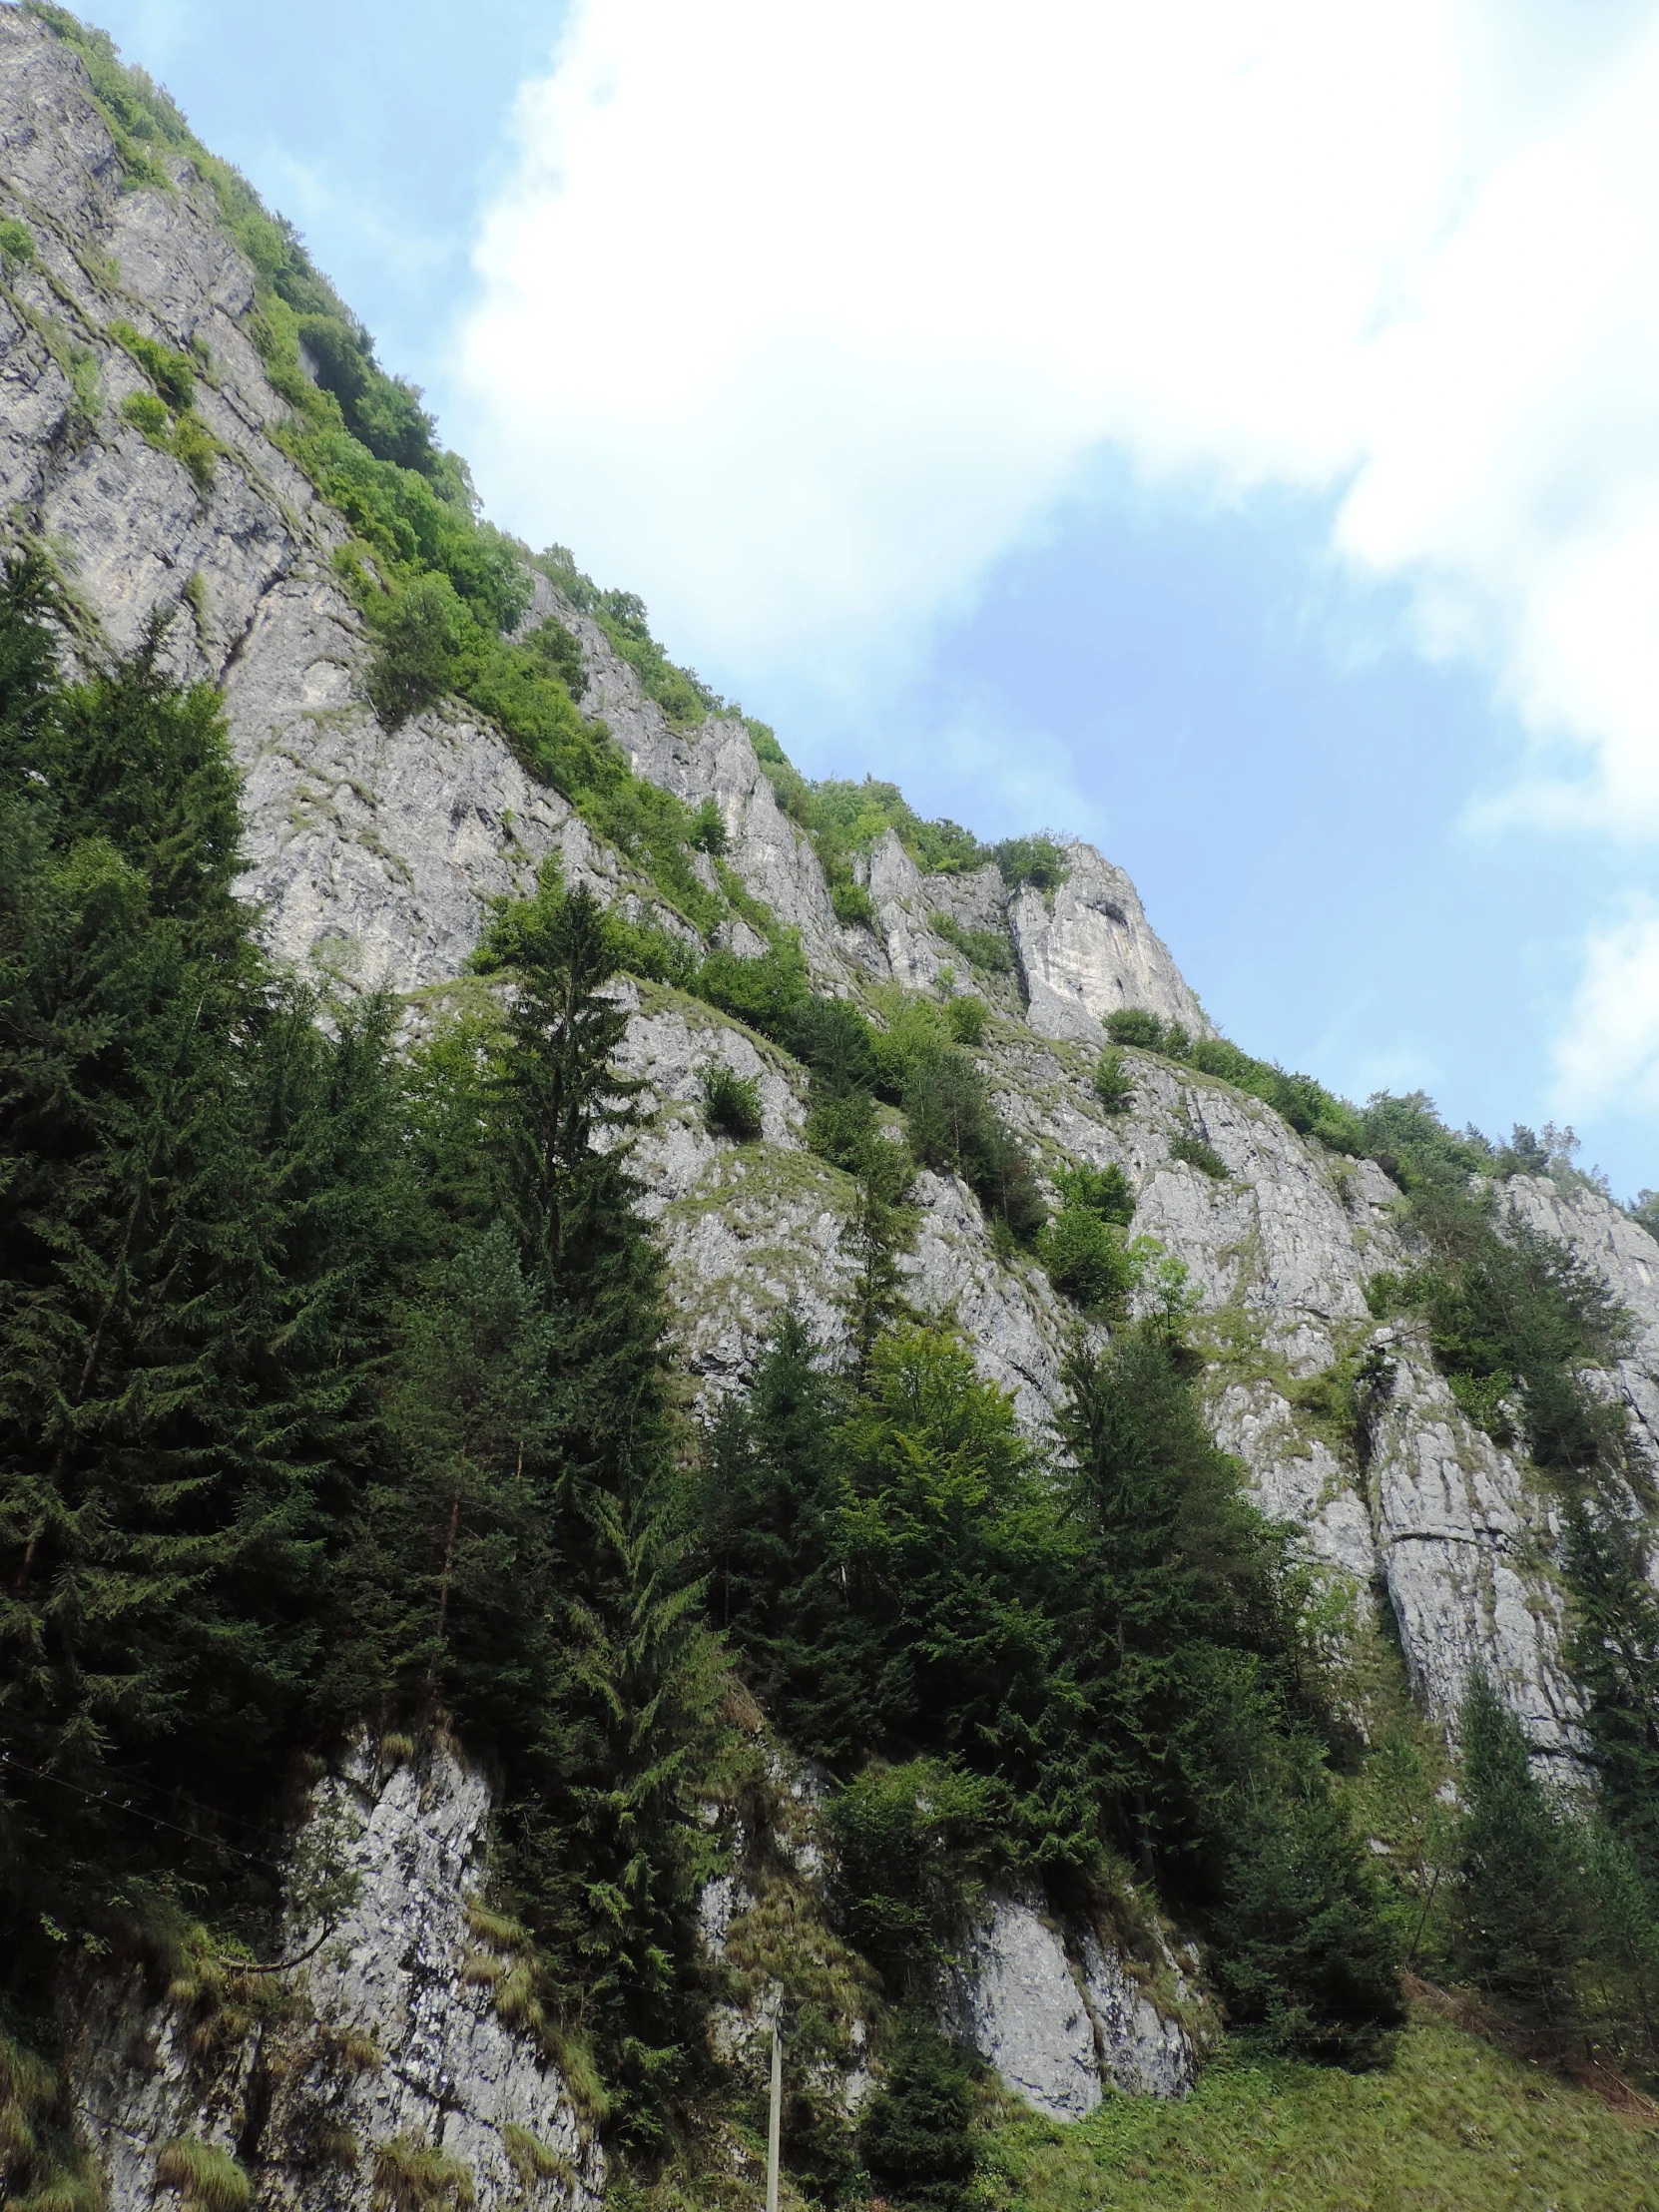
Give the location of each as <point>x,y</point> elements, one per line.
<point>384,2036</point>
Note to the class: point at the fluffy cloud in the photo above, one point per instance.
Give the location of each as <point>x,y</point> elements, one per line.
<point>799,317</point>
<point>1608,1056</point>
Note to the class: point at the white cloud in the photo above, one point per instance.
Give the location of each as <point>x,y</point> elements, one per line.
<point>1607,1058</point>
<point>795,319</point>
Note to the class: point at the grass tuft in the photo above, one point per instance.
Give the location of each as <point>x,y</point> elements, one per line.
<point>206,2178</point>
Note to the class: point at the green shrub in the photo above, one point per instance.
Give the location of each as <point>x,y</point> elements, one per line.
<point>765,993</point>
<point>708,832</point>
<point>1187,1144</point>
<point>559,653</point>
<point>173,374</point>
<point>984,947</point>
<point>1086,1260</point>
<point>1644,1212</point>
<point>17,243</point>
<point>646,948</point>
<point>854,908</point>
<point>965,1018</point>
<point>1308,1107</point>
<point>413,2176</point>
<point>731,1102</point>
<point>382,412</point>
<point>1134,1025</point>
<point>1113,1085</point>
<point>679,692</point>
<point>831,1037</point>
<point>838,1127</point>
<point>907,1844</point>
<point>195,444</point>
<point>147,414</point>
<point>848,818</point>
<point>422,632</point>
<point>1103,1192</point>
<point>914,2139</point>
<point>955,1129</point>
<point>1037,861</point>
<point>530,2158</point>
<point>1514,1320</point>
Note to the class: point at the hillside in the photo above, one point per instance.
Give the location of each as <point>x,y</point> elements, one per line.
<point>682,1384</point>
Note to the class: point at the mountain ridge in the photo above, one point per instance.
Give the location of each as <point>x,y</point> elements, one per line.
<point>377,849</point>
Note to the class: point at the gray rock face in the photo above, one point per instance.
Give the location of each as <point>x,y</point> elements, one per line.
<point>371,851</point>
<point>382,2037</point>
<point>1060,2017</point>
<point>1465,1542</point>
<point>1088,950</point>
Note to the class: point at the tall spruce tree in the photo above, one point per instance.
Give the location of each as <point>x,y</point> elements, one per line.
<point>606,1856</point>
<point>195,1232</point>
<point>1186,1647</point>
<point>1523,1905</point>
<point>1300,1943</point>
<point>1615,1657</point>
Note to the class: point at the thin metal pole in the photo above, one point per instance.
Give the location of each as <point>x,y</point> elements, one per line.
<point>774,2118</point>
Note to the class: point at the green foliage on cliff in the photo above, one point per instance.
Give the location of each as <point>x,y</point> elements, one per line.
<point>679,692</point>
<point>1013,1666</point>
<point>330,1390</point>
<point>1040,862</point>
<point>985,949</point>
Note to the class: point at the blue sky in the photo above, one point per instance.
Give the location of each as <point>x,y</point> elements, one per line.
<point>1247,461</point>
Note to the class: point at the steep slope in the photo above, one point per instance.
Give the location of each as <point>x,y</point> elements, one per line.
<point>374,852</point>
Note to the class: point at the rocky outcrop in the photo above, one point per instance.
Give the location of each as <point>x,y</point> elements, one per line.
<point>1087,950</point>
<point>752,1228</point>
<point>382,2037</point>
<point>1465,1542</point>
<point>1060,2016</point>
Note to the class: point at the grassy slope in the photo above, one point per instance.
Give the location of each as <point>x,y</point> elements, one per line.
<point>1453,2127</point>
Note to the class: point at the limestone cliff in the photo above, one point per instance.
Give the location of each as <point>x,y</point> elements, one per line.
<point>373,854</point>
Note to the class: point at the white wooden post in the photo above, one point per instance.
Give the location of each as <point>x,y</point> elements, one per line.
<point>775,2117</point>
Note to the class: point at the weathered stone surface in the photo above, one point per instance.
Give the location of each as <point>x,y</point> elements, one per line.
<point>386,2039</point>
<point>1087,950</point>
<point>373,853</point>
<point>1142,2051</point>
<point>1059,2015</point>
<point>1300,1479</point>
<point>1464,1544</point>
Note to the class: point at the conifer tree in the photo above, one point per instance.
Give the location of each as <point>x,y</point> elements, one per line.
<point>190,1306</point>
<point>452,1583</point>
<point>561,1117</point>
<point>1300,1943</point>
<point>1182,1630</point>
<point>606,1852</point>
<point>878,1229</point>
<point>772,1497</point>
<point>1523,1915</point>
<point>1615,1657</point>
